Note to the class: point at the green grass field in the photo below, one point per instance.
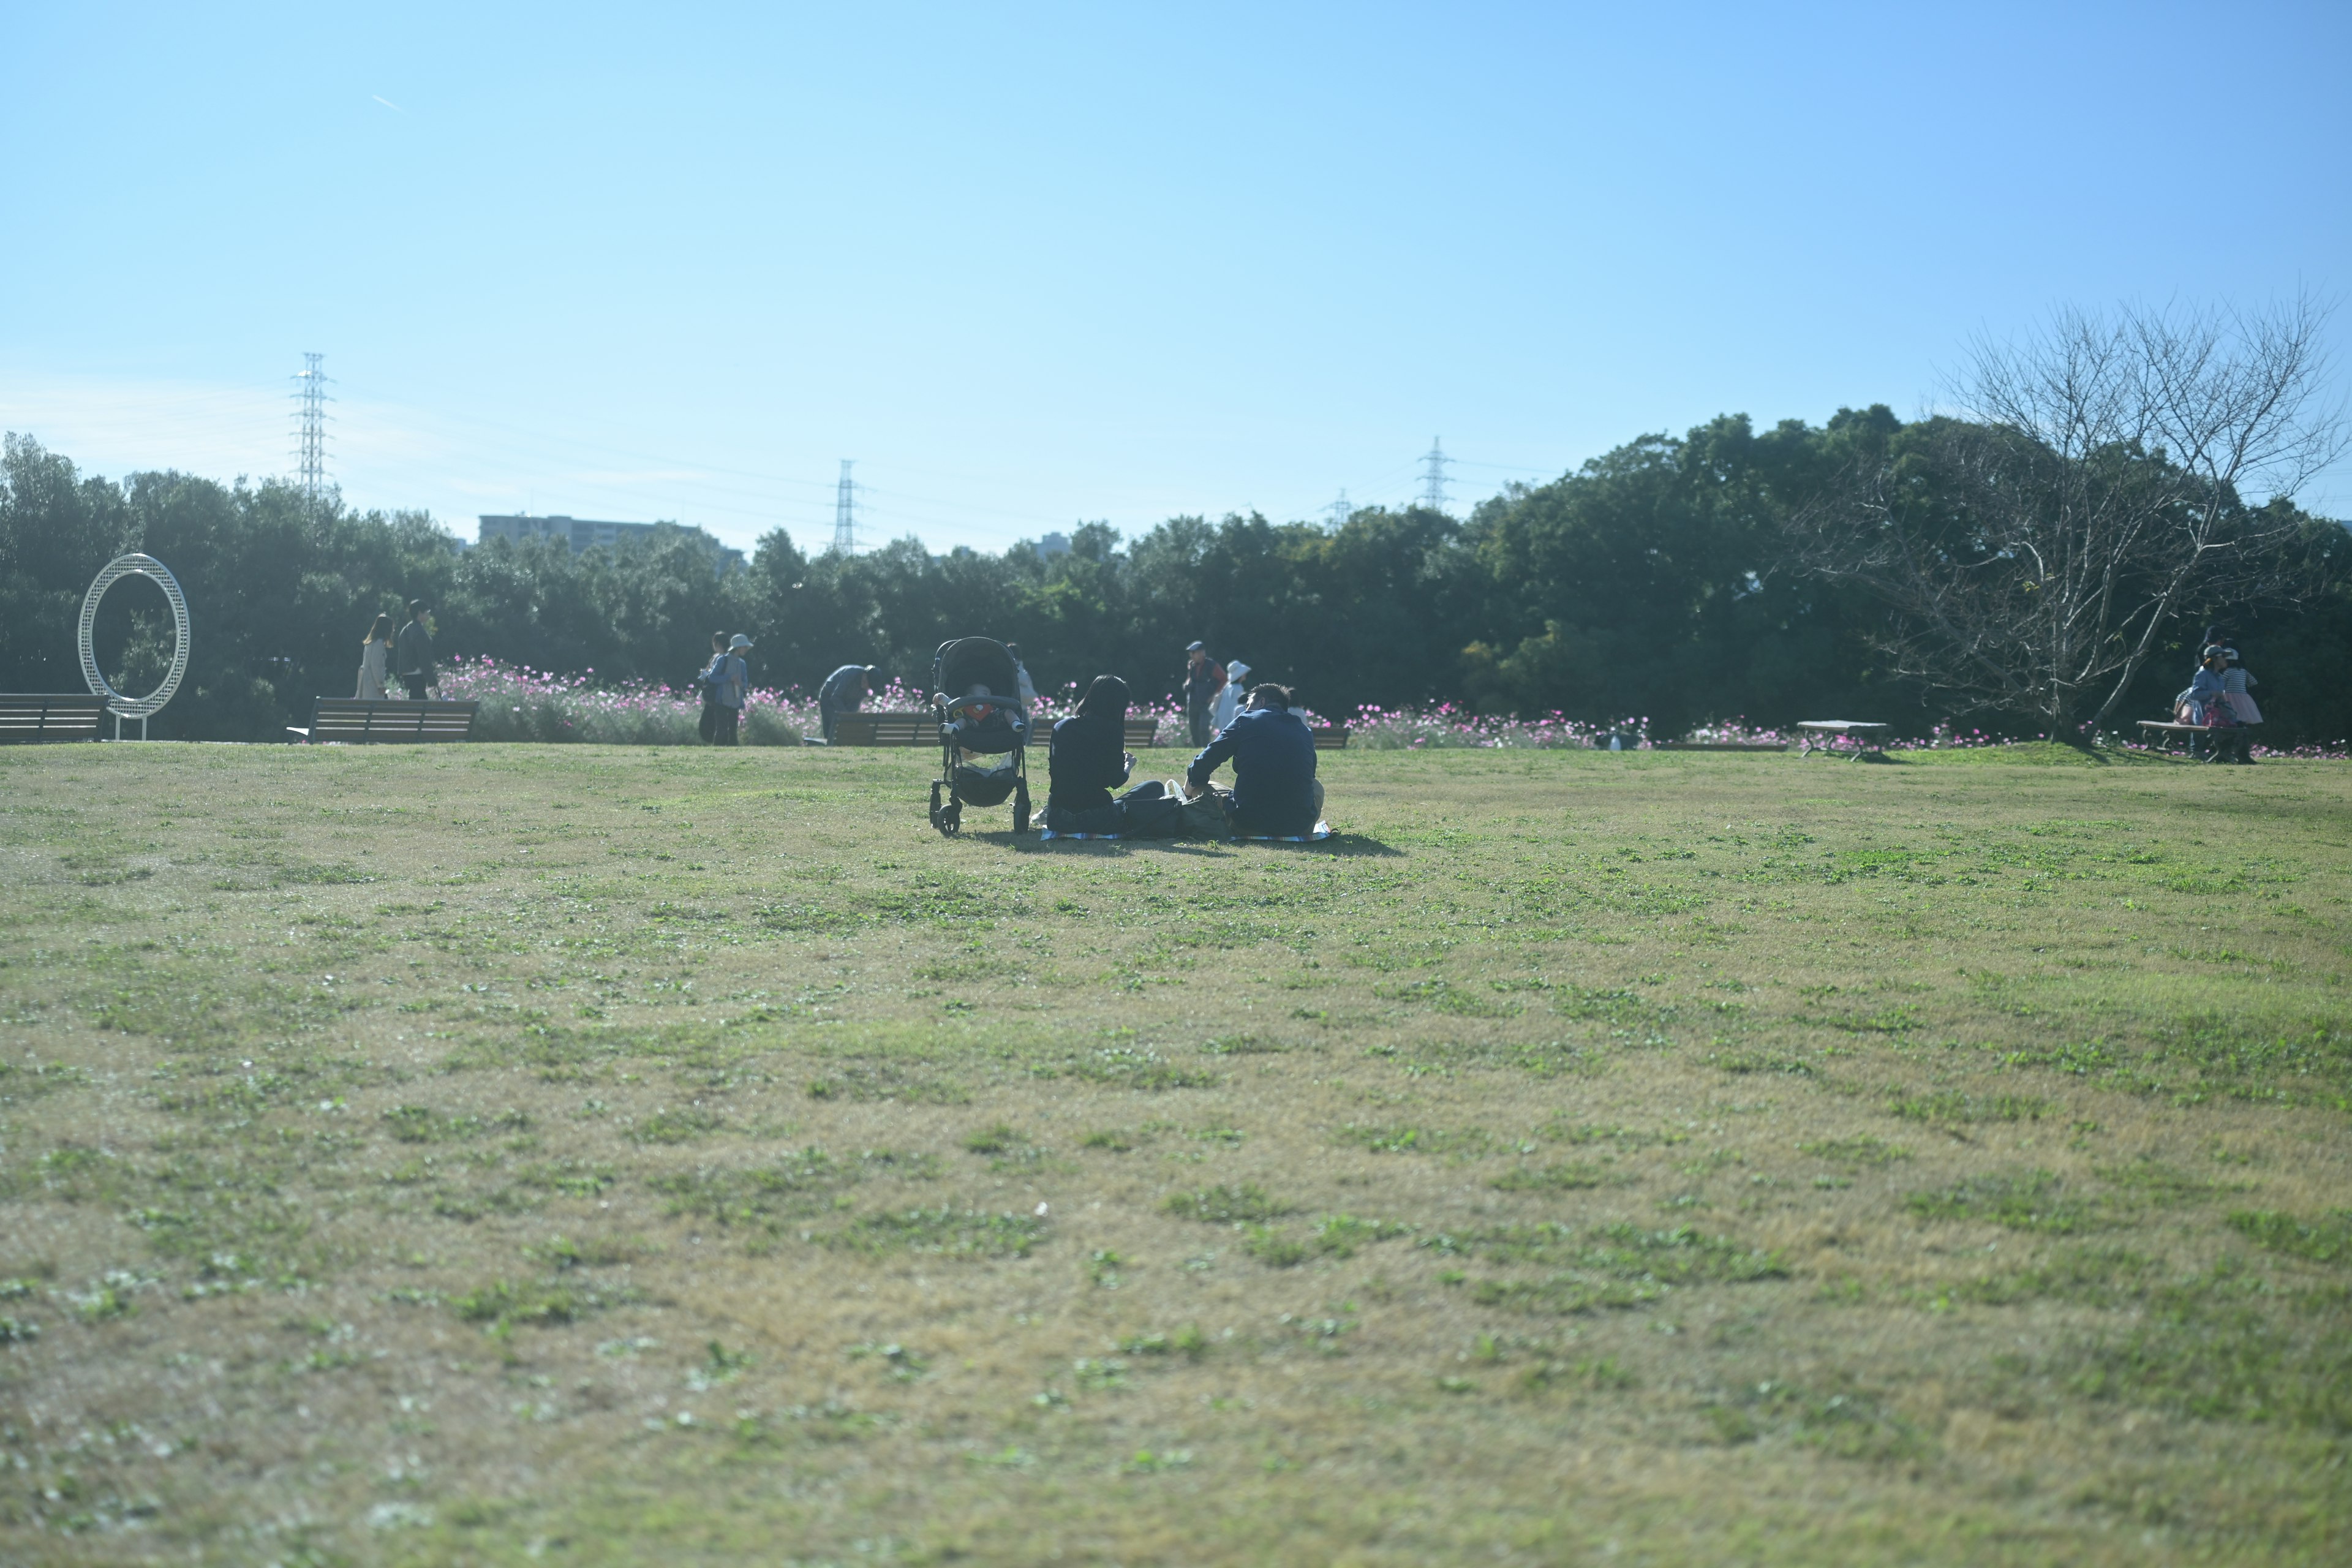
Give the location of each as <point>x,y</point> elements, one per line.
<point>505,1153</point>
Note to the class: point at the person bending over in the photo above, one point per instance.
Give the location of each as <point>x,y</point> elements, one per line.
<point>1084,762</point>
<point>1276,793</point>
<point>843,691</point>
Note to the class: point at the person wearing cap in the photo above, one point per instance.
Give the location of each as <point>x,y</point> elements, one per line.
<point>843,691</point>
<point>730,683</point>
<point>1228,705</point>
<point>412,653</point>
<point>1203,678</point>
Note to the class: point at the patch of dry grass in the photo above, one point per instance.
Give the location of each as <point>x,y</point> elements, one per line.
<point>602,1155</point>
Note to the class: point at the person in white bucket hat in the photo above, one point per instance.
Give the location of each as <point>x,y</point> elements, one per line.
<point>1229,700</point>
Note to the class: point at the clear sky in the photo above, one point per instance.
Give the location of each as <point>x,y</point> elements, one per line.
<point>1033,265</point>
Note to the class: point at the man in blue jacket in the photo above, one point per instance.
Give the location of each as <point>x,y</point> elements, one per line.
<point>1276,793</point>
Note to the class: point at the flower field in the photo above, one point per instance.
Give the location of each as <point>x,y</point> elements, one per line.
<point>524,704</point>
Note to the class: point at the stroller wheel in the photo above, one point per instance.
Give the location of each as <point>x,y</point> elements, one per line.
<point>951,819</point>
<point>939,817</point>
<point>1021,809</point>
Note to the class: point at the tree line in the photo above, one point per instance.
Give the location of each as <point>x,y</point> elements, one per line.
<point>1681,579</point>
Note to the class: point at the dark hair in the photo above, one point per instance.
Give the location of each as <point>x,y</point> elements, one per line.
<point>382,624</point>
<point>417,607</point>
<point>1269,695</point>
<point>1106,698</point>
<point>718,639</point>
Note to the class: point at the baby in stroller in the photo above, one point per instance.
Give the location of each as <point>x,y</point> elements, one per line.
<point>983,732</point>
<point>983,726</point>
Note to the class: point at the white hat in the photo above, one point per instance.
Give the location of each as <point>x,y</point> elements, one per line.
<point>740,641</point>
<point>1235,669</point>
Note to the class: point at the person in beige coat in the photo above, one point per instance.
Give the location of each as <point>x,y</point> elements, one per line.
<point>374,654</point>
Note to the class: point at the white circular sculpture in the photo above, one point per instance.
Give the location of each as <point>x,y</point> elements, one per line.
<point>140,707</point>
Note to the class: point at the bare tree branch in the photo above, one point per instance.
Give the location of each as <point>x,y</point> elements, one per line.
<point>2100,477</point>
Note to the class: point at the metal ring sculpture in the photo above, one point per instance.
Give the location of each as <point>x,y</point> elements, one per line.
<point>122,567</point>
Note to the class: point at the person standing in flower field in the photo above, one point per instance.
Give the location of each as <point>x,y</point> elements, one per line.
<point>1228,706</point>
<point>1203,678</point>
<point>730,685</point>
<point>707,726</point>
<point>1028,688</point>
<point>413,653</point>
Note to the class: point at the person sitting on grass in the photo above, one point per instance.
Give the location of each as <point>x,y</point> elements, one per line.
<point>1276,793</point>
<point>1084,762</point>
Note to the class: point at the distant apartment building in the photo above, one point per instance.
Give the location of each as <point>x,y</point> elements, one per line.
<point>1052,545</point>
<point>587,533</point>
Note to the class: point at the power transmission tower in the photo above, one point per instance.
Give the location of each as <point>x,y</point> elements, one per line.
<point>310,397</point>
<point>845,512</point>
<point>1433,483</point>
<point>1341,511</point>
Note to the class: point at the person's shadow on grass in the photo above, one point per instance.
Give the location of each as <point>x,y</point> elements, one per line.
<point>1343,845</point>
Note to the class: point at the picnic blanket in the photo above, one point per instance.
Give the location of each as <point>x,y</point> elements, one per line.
<point>1321,830</point>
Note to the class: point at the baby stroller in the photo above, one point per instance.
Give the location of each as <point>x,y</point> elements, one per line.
<point>983,732</point>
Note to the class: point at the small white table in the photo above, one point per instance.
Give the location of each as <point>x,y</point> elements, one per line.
<point>1819,731</point>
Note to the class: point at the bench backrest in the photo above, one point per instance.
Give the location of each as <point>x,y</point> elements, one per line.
<point>355,721</point>
<point>917,728</point>
<point>28,718</point>
<point>1141,733</point>
<point>1331,737</point>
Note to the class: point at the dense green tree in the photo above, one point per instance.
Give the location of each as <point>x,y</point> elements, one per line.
<point>1654,581</point>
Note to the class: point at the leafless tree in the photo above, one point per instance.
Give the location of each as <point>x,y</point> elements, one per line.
<point>2100,478</point>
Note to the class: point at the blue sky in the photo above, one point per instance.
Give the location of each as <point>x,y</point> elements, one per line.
<point>1030,265</point>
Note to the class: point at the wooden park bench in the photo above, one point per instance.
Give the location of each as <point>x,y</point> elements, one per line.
<point>1145,733</point>
<point>37,717</point>
<point>1141,733</point>
<point>1720,746</point>
<point>1871,736</point>
<point>354,720</point>
<point>2202,740</point>
<point>920,728</point>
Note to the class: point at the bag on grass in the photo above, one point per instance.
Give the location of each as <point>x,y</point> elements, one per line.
<point>1151,815</point>
<point>1206,818</point>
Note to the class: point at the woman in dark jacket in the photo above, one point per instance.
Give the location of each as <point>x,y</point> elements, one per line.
<point>1086,761</point>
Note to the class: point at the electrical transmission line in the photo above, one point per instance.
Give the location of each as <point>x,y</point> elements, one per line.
<point>845,512</point>
<point>1433,483</point>
<point>311,398</point>
<point>1341,511</point>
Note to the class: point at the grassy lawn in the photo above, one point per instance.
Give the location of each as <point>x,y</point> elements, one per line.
<point>592,1156</point>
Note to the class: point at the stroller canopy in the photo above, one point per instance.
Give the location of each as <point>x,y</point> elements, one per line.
<point>967,662</point>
